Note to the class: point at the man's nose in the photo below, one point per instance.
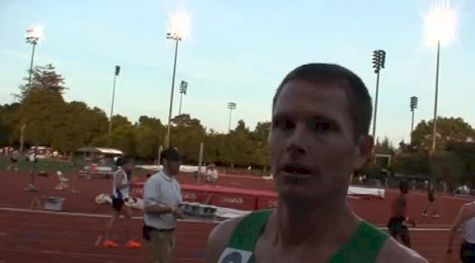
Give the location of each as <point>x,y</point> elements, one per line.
<point>297,141</point>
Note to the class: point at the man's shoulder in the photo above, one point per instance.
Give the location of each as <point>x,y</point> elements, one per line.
<point>220,236</point>
<point>393,251</point>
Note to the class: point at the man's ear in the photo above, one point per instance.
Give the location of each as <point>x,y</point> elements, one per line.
<point>365,146</point>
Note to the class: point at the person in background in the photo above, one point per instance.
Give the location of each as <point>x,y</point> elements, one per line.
<point>120,194</point>
<point>211,173</point>
<point>14,156</point>
<point>162,197</point>
<point>430,202</point>
<point>33,159</point>
<point>465,221</point>
<point>398,223</point>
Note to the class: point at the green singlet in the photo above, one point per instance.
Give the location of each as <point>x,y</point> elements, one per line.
<point>363,246</point>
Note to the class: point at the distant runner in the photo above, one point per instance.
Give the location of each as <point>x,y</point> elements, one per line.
<point>120,194</point>
<point>431,202</point>
<point>398,223</point>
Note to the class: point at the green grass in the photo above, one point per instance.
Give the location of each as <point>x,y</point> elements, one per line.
<point>42,165</point>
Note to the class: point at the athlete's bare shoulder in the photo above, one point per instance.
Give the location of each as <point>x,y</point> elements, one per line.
<point>219,238</point>
<point>393,251</point>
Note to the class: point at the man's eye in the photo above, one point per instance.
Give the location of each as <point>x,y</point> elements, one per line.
<point>321,126</point>
<point>284,124</point>
<point>288,124</point>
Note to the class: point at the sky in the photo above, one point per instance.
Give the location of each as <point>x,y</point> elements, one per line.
<point>239,51</point>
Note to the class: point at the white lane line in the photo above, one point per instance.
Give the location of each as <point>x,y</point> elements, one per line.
<point>422,228</point>
<point>92,215</point>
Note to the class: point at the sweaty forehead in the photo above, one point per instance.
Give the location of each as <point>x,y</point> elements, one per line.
<point>298,97</point>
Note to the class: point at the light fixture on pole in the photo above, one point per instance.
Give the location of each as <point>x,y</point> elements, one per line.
<point>116,73</point>
<point>379,59</point>
<point>231,107</point>
<point>413,106</point>
<point>440,24</point>
<point>183,88</point>
<point>178,28</point>
<point>33,37</point>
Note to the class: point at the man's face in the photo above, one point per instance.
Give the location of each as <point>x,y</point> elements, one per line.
<point>173,167</point>
<point>313,148</point>
<point>129,166</point>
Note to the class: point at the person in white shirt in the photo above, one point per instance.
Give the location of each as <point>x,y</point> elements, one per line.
<point>14,156</point>
<point>211,173</point>
<point>33,158</point>
<point>162,196</point>
<point>120,194</point>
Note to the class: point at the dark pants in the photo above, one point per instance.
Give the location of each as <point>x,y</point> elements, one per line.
<point>117,203</point>
<point>397,228</point>
<point>467,252</point>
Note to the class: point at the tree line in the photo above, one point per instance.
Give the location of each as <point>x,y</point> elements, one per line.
<point>42,117</point>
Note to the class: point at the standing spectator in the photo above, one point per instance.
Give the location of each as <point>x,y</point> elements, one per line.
<point>162,196</point>
<point>211,173</point>
<point>14,156</point>
<point>33,159</point>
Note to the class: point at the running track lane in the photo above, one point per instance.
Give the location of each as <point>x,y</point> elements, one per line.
<point>51,237</point>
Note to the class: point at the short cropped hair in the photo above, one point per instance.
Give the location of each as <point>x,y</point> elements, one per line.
<point>171,154</point>
<point>359,100</point>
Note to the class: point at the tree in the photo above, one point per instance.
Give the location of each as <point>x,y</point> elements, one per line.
<point>187,134</point>
<point>42,106</point>
<point>448,130</point>
<point>149,132</point>
<point>44,78</point>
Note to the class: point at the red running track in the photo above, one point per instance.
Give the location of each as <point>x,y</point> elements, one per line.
<point>56,238</point>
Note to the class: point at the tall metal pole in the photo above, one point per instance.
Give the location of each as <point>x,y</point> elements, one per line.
<point>167,139</point>
<point>376,106</point>
<point>112,104</point>
<point>30,73</point>
<point>31,64</point>
<point>200,162</point>
<point>412,125</point>
<point>229,124</point>
<point>434,130</point>
<point>181,100</point>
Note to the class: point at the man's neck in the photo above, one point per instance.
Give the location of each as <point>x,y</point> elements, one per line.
<point>299,223</point>
<point>167,173</point>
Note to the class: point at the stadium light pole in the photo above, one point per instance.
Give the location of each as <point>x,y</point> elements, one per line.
<point>183,89</point>
<point>413,106</point>
<point>178,29</point>
<point>379,59</point>
<point>231,107</point>
<point>116,73</point>
<point>33,37</point>
<point>440,25</point>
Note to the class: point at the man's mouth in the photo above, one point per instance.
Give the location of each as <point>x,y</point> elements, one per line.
<point>296,174</point>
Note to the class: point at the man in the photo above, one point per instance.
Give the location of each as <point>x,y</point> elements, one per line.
<point>120,194</point>
<point>398,222</point>
<point>211,173</point>
<point>466,221</point>
<point>162,195</point>
<point>430,202</point>
<point>14,156</point>
<point>319,136</point>
<point>33,159</point>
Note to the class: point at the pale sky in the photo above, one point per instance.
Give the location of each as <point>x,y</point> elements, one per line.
<point>239,51</point>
